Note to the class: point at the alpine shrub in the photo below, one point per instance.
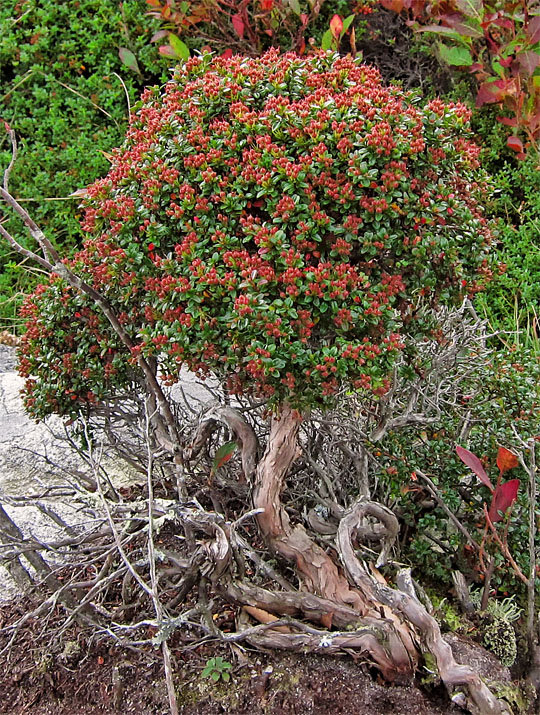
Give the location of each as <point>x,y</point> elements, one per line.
<point>276,222</point>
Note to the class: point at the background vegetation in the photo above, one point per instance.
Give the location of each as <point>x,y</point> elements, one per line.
<point>63,90</point>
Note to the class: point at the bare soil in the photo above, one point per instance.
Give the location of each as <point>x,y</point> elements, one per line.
<point>46,673</point>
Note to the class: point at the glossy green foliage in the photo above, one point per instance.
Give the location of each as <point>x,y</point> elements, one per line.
<point>275,222</point>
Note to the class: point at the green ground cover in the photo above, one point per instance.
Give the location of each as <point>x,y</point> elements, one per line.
<point>62,90</point>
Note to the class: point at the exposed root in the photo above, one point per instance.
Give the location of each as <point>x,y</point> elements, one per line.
<point>205,557</point>
<point>410,609</point>
<point>319,572</point>
<point>367,640</point>
<point>291,603</point>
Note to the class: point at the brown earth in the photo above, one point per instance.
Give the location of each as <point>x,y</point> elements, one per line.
<point>46,673</point>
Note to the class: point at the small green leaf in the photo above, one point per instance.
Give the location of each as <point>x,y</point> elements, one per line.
<point>327,40</point>
<point>295,7</point>
<point>223,454</point>
<point>129,59</point>
<point>180,47</point>
<point>455,56</point>
<point>215,676</point>
<point>347,23</point>
<point>497,68</point>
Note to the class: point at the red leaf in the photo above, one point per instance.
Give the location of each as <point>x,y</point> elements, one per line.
<point>228,53</point>
<point>488,93</point>
<point>159,35</point>
<point>508,121</point>
<point>504,496</point>
<point>528,61</point>
<point>533,30</point>
<point>336,26</point>
<point>238,24</point>
<point>506,460</point>
<point>393,5</point>
<point>166,50</point>
<point>505,23</point>
<point>475,465</point>
<point>515,143</point>
<point>455,22</point>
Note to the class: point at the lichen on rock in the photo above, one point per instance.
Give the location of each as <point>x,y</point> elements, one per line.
<point>500,638</point>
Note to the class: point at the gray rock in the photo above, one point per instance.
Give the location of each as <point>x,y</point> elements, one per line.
<point>478,658</point>
<point>37,467</point>
<point>37,464</point>
<point>8,358</point>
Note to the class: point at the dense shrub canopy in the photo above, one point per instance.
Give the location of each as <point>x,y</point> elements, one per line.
<point>273,221</point>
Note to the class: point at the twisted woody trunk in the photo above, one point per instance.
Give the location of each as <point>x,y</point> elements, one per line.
<point>390,626</point>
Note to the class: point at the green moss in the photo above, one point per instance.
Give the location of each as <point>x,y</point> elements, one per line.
<point>44,664</point>
<point>446,614</point>
<point>518,698</point>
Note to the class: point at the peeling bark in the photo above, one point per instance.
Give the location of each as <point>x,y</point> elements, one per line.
<point>318,571</point>
<point>482,701</point>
